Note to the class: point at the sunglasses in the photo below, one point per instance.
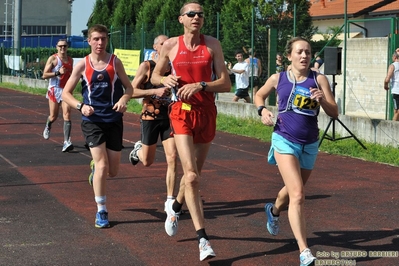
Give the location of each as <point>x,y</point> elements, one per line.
<point>62,46</point>
<point>192,14</point>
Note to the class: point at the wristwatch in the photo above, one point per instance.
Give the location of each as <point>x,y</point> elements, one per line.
<point>203,84</point>
<point>260,109</point>
<point>79,106</point>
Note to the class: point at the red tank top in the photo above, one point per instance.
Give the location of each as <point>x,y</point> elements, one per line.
<point>194,66</point>
<point>60,81</point>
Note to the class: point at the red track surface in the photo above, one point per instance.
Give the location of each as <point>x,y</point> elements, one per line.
<point>47,208</point>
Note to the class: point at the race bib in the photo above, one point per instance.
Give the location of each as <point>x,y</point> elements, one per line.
<point>302,103</point>
<point>186,106</point>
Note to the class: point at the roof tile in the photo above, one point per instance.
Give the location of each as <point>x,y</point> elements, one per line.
<point>331,8</point>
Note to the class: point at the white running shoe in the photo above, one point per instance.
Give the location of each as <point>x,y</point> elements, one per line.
<point>205,249</point>
<point>68,146</point>
<point>172,218</point>
<point>133,156</point>
<point>46,132</point>
<point>306,258</point>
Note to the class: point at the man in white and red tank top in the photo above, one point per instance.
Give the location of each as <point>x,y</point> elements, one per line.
<point>198,72</point>
<point>58,69</point>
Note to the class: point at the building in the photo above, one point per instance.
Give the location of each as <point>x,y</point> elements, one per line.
<point>370,17</point>
<point>49,19</point>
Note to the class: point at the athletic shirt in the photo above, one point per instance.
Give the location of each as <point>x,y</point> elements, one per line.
<point>160,104</point>
<point>242,79</point>
<point>101,89</point>
<point>253,64</point>
<point>395,79</point>
<point>297,118</point>
<point>60,81</point>
<point>193,67</point>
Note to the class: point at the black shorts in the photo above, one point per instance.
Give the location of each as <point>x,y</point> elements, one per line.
<point>96,133</point>
<point>242,93</point>
<point>256,81</point>
<point>395,101</point>
<point>152,129</point>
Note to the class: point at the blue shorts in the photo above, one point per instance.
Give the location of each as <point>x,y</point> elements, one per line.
<point>306,153</point>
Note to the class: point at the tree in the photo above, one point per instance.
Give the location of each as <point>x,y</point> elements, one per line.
<point>125,13</point>
<point>279,14</point>
<point>103,12</point>
<point>211,10</point>
<point>236,23</point>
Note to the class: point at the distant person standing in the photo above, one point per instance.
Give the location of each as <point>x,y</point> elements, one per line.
<point>280,65</point>
<point>318,61</point>
<point>58,69</point>
<point>255,70</point>
<point>104,102</point>
<point>393,79</point>
<point>241,72</point>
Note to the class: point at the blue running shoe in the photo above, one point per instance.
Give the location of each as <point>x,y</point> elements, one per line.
<point>92,173</point>
<point>306,258</point>
<point>272,221</point>
<point>102,219</point>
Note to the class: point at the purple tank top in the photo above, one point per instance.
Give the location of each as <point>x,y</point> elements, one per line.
<point>297,117</point>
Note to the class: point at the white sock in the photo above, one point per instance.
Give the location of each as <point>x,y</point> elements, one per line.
<point>102,208</point>
<point>100,200</point>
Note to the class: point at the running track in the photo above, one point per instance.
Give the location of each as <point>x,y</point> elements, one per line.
<point>47,208</point>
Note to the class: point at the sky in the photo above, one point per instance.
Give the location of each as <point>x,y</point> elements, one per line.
<point>81,11</point>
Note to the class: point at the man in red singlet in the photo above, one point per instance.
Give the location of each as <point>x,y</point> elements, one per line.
<point>198,72</point>
<point>58,69</point>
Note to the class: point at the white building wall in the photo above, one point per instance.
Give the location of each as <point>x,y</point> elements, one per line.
<point>366,68</point>
<point>40,13</point>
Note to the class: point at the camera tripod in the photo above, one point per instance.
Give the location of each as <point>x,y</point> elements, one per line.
<point>332,122</point>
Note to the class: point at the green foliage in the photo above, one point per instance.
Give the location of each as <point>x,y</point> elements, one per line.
<point>236,18</point>
<point>103,12</point>
<point>244,127</point>
<point>125,13</point>
<point>136,23</point>
<point>36,58</point>
<point>134,107</point>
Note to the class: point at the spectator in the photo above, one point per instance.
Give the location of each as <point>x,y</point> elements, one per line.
<point>241,71</point>
<point>318,61</point>
<point>255,70</point>
<point>393,78</point>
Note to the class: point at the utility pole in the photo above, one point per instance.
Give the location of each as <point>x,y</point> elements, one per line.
<point>17,27</point>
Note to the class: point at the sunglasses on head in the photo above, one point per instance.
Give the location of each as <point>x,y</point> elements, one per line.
<point>192,14</point>
<point>62,46</point>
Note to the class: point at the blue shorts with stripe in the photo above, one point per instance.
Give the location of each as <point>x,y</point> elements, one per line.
<point>306,153</point>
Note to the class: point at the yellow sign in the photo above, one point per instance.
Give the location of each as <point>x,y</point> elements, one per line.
<point>130,60</point>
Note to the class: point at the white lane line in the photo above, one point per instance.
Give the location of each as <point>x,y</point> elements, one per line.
<point>8,161</point>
